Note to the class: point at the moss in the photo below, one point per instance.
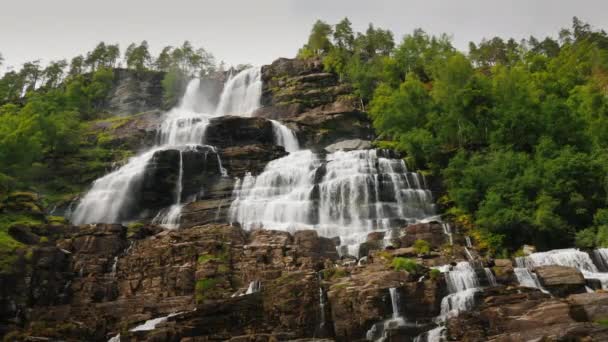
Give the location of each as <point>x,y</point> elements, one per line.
<point>385,255</point>
<point>334,273</point>
<point>8,245</point>
<point>202,288</point>
<point>602,322</point>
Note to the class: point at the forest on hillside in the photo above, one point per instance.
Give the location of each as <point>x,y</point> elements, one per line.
<point>516,130</point>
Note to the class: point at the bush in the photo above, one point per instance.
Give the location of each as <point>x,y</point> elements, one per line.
<point>585,238</point>
<point>400,264</point>
<point>422,247</point>
<point>434,274</point>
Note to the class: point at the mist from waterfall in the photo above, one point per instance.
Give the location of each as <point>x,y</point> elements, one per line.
<point>112,196</point>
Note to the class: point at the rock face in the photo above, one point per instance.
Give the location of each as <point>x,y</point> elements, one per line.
<point>134,92</point>
<point>525,315</point>
<point>561,280</point>
<point>349,145</point>
<point>320,107</point>
<point>107,281</point>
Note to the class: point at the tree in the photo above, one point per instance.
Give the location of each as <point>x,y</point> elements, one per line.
<point>31,72</point>
<point>76,66</point>
<point>318,42</point>
<point>53,73</point>
<point>343,35</point>
<point>164,60</point>
<point>138,57</point>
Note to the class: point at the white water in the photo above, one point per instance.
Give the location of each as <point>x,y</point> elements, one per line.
<point>490,277</point>
<point>566,257</point>
<point>241,95</point>
<point>152,323</point>
<point>112,196</point>
<point>254,287</point>
<point>527,278</point>
<point>468,241</point>
<point>285,137</point>
<point>433,335</point>
<point>346,194</point>
<point>378,332</point>
<point>447,230</point>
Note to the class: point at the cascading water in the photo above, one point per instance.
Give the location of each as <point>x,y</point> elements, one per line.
<point>285,137</point>
<point>346,194</point>
<point>112,196</point>
<point>379,331</point>
<point>490,277</point>
<point>463,284</point>
<point>241,95</point>
<point>566,257</point>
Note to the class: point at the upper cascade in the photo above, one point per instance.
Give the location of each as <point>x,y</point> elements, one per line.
<point>242,92</point>
<point>112,196</point>
<point>345,194</point>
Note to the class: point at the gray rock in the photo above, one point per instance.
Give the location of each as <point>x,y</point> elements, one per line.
<point>349,145</point>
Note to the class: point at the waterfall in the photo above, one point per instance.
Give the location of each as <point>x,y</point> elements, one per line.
<point>527,278</point>
<point>170,218</point>
<point>447,230</point>
<point>565,257</point>
<point>345,194</point>
<point>112,196</point>
<point>467,240</point>
<point>379,331</point>
<point>394,301</point>
<point>490,277</point>
<point>433,335</point>
<point>254,287</point>
<point>601,258</point>
<point>285,137</point>
<point>152,323</point>
<point>114,266</point>
<point>242,92</point>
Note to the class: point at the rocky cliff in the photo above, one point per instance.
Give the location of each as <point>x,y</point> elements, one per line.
<point>212,280</point>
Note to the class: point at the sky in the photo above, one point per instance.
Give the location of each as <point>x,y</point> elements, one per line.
<point>259,31</point>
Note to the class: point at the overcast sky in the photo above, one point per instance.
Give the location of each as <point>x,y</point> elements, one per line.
<point>258,31</point>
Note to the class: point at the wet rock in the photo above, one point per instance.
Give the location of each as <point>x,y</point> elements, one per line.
<point>561,280</point>
<point>231,131</point>
<point>240,160</point>
<point>200,166</point>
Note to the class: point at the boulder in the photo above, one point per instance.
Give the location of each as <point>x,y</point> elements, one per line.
<point>561,280</point>
<point>23,234</point>
<point>431,232</point>
<point>591,307</point>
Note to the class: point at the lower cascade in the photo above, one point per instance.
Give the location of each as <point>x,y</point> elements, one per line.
<point>570,257</point>
<point>345,194</point>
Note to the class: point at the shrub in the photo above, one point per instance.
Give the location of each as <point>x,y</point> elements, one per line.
<point>434,274</point>
<point>422,247</point>
<point>202,287</point>
<point>406,264</point>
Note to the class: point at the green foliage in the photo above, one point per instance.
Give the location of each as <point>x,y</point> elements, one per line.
<point>174,83</point>
<point>422,246</point>
<point>404,264</point>
<point>202,287</point>
<point>434,274</point>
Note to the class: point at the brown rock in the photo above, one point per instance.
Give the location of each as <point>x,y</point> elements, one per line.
<point>561,280</point>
